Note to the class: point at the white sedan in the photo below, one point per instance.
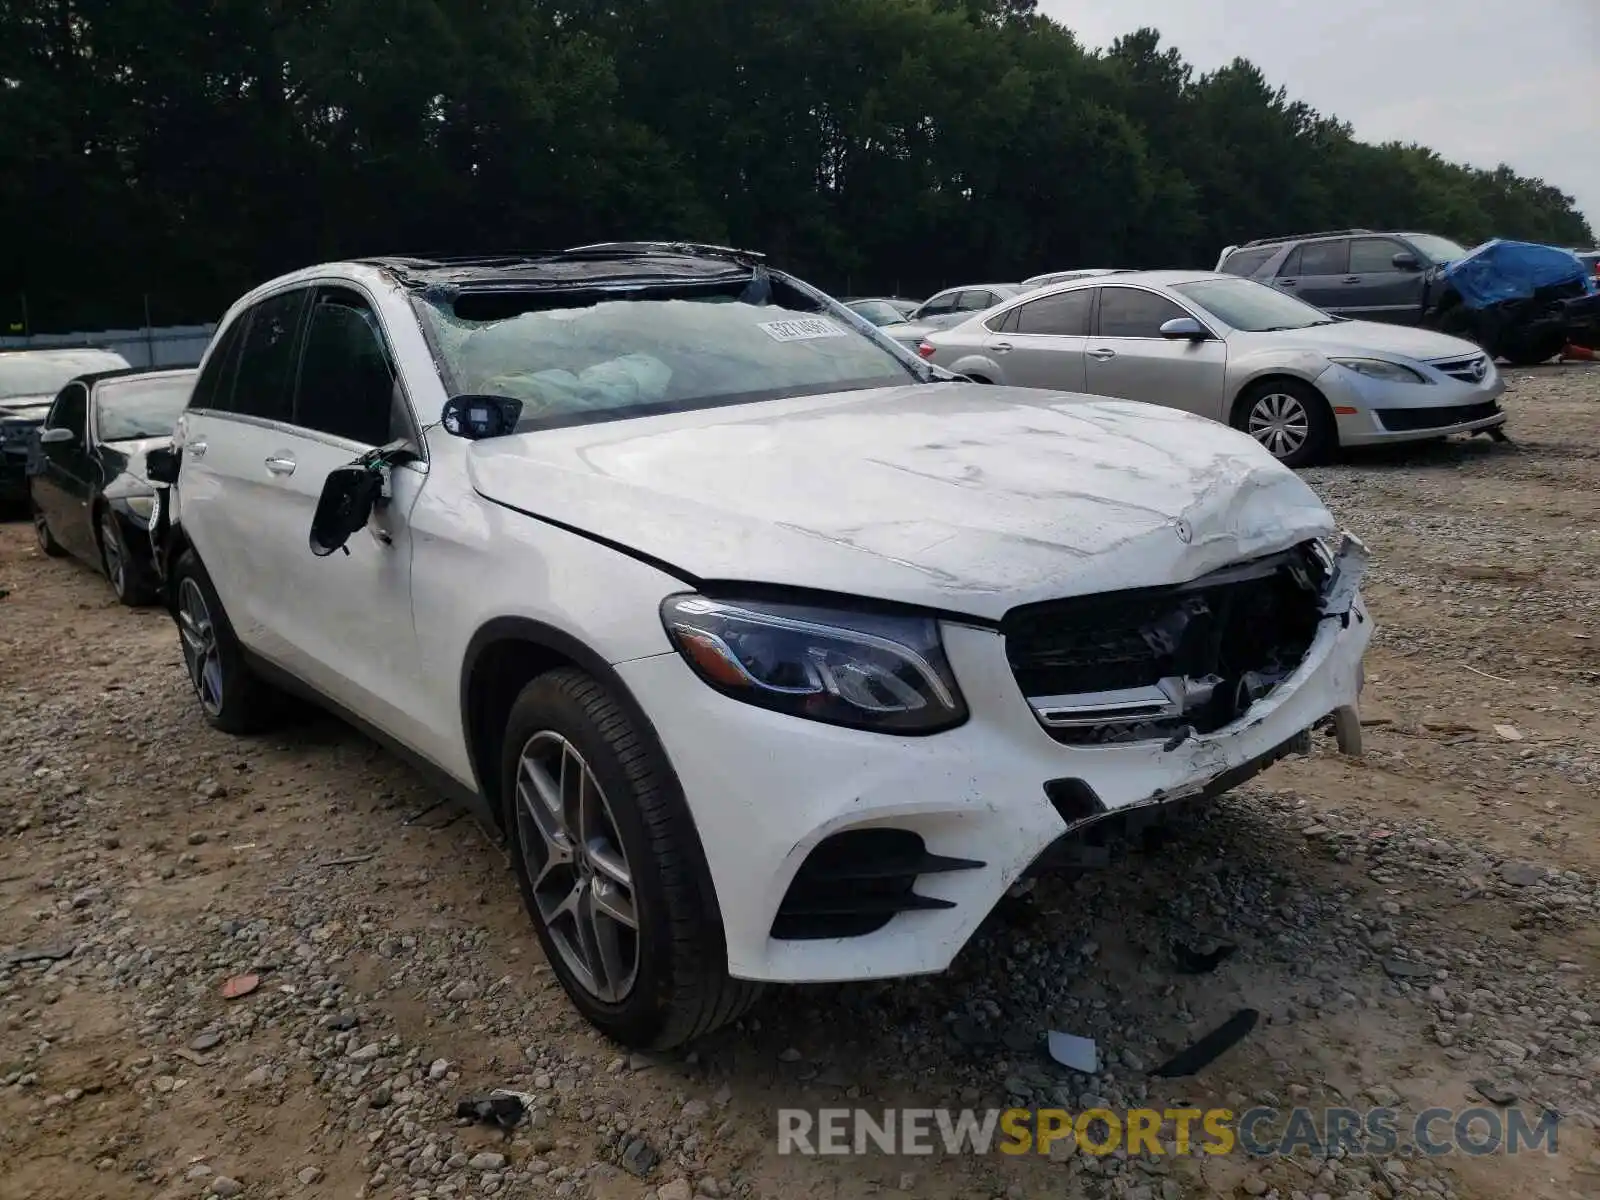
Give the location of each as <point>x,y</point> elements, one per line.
<point>772,653</point>
<point>1299,381</point>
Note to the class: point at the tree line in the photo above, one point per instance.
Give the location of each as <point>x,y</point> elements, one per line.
<point>192,148</point>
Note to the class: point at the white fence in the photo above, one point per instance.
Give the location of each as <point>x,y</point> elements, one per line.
<point>167,346</point>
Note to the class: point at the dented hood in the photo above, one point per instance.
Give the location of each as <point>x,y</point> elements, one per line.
<point>962,497</point>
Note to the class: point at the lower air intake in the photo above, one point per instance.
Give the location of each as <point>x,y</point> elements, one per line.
<point>855,882</point>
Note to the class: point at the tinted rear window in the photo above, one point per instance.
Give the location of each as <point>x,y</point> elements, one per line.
<point>1248,262</point>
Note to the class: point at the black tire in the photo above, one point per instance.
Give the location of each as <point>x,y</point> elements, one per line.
<point>1304,435</point>
<point>679,988</point>
<point>127,573</point>
<point>234,699</point>
<point>1528,350</point>
<point>41,532</point>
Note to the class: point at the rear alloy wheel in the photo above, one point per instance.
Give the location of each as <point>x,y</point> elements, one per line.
<point>127,577</point>
<point>46,539</point>
<point>233,698</point>
<point>610,868</point>
<point>1290,420</point>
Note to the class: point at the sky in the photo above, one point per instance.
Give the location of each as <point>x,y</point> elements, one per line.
<point>1480,81</point>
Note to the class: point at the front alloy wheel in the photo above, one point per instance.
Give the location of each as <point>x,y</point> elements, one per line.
<point>610,866</point>
<point>582,882</point>
<point>200,653</point>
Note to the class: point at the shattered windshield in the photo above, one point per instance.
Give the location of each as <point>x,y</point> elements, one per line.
<point>578,357</point>
<point>126,410</point>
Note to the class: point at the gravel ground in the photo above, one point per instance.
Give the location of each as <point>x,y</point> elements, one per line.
<point>1414,927</point>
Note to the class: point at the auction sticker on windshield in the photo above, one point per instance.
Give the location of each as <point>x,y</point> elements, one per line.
<point>803,329</point>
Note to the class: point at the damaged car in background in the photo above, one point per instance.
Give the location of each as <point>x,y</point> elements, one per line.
<point>29,382</point>
<point>89,477</point>
<point>773,653</point>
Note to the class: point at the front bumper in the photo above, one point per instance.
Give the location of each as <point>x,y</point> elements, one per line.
<point>766,789</point>
<point>1373,411</point>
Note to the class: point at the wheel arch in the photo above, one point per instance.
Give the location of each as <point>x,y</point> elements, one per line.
<point>1248,389</point>
<point>173,545</point>
<point>503,657</point>
<point>976,365</point>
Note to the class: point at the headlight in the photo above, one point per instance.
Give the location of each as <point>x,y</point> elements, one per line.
<point>140,506</point>
<point>1377,368</point>
<point>862,670</point>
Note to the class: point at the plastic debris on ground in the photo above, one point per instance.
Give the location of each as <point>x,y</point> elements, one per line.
<point>501,1108</point>
<point>240,985</point>
<point>1209,1048</point>
<point>1192,962</point>
<point>1077,1053</point>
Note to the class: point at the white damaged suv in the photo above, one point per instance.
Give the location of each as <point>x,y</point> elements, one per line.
<point>773,653</point>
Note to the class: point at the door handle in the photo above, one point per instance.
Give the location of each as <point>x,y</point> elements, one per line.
<point>1353,279</point>
<point>195,449</point>
<point>1285,283</point>
<point>279,465</point>
<point>1102,354</point>
<point>1001,347</point>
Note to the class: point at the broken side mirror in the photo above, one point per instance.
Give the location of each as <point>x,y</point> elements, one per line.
<point>477,417</point>
<point>348,498</point>
<point>161,465</point>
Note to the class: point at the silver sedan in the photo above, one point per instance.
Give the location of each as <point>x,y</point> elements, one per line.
<point>1299,381</point>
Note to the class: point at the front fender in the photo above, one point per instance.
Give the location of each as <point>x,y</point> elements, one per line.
<point>1304,365</point>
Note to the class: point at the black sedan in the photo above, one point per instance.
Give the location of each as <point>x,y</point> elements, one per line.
<point>87,483</point>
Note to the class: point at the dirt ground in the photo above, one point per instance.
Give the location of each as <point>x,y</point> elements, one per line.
<point>1412,927</point>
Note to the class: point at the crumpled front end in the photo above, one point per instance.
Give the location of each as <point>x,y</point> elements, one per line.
<point>842,854</point>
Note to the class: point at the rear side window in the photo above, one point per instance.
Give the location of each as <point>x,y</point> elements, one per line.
<point>1066,314</point>
<point>214,387</point>
<point>1324,258</point>
<point>347,379</point>
<point>267,357</point>
<point>976,301</point>
<point>1248,262</point>
<point>1132,313</point>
